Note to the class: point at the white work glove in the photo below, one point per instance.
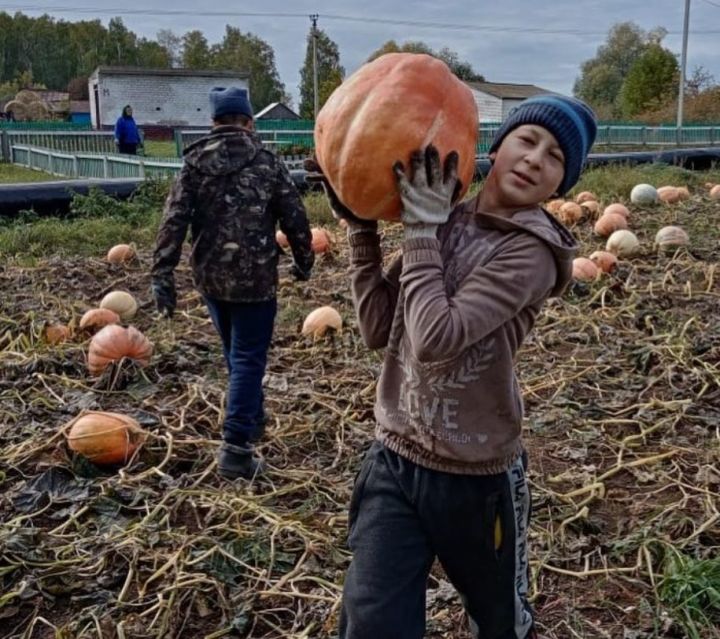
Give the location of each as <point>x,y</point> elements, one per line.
<point>429,193</point>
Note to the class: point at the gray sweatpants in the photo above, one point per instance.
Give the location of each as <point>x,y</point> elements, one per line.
<point>403,516</point>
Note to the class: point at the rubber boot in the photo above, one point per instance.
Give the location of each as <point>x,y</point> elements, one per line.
<point>239,461</point>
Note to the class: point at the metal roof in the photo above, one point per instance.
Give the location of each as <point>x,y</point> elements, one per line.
<point>203,73</point>
<point>507,90</point>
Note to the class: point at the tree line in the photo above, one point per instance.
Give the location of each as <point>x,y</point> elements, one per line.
<point>632,76</point>
<point>60,55</point>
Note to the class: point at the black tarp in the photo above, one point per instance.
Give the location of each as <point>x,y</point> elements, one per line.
<point>53,198</point>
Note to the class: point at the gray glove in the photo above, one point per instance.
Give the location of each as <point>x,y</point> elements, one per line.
<point>429,193</point>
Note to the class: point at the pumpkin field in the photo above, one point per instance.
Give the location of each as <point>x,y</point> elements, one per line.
<point>621,384</point>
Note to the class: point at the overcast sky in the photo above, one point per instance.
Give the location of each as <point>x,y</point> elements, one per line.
<point>523,41</point>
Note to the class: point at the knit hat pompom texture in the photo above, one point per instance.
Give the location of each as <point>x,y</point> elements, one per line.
<point>229,101</point>
<point>571,121</point>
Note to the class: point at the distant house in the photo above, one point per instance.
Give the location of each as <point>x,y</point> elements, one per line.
<point>495,99</point>
<point>159,97</point>
<point>277,111</point>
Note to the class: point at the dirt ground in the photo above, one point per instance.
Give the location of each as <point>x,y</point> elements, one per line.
<point>621,381</point>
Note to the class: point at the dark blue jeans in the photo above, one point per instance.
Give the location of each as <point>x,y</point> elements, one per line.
<point>246,330</point>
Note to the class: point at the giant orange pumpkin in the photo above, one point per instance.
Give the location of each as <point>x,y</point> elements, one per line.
<point>384,111</point>
<point>114,342</point>
<point>105,438</point>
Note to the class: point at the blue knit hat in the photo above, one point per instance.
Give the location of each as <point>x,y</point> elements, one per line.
<point>571,121</point>
<point>230,101</point>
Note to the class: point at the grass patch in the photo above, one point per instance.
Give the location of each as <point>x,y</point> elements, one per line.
<point>160,149</point>
<point>691,589</point>
<point>83,237</point>
<point>616,181</point>
<point>98,221</point>
<point>318,209</point>
<point>11,173</point>
<point>95,222</point>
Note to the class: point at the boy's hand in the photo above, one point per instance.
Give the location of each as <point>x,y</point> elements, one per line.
<point>165,298</point>
<point>339,210</point>
<point>429,193</point>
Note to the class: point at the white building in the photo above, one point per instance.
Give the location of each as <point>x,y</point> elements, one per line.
<point>159,97</point>
<point>495,99</point>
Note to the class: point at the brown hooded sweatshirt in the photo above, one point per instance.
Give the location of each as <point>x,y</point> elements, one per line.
<point>453,312</point>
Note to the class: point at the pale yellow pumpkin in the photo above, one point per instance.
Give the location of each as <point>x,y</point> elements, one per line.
<point>121,302</point>
<point>320,320</point>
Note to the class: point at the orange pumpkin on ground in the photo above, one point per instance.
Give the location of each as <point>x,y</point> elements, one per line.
<point>585,196</point>
<point>592,207</point>
<point>668,194</point>
<point>320,240</point>
<point>609,223</point>
<point>383,112</point>
<point>570,213</point>
<point>114,342</point>
<point>56,333</point>
<point>105,438</point>
<point>605,261</point>
<point>97,318</point>
<point>281,239</point>
<point>553,206</point>
<point>619,209</point>
<point>584,270</point>
<point>120,253</point>
<point>683,193</point>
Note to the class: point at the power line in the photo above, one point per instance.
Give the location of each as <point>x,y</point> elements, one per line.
<point>711,3</point>
<point>158,12</point>
<point>124,11</point>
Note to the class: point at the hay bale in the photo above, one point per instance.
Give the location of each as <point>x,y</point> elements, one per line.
<point>37,111</point>
<point>26,96</point>
<point>18,108</point>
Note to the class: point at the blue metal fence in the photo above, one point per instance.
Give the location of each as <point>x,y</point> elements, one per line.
<point>92,165</point>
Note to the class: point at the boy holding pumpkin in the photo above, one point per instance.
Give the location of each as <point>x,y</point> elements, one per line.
<point>232,192</point>
<point>446,475</point>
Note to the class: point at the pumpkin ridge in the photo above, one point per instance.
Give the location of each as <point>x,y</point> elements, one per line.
<point>122,425</point>
<point>438,122</point>
<point>351,130</point>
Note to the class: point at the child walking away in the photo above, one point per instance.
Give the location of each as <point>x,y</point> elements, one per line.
<point>446,476</point>
<point>232,193</point>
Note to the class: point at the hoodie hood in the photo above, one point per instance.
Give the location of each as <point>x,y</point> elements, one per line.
<point>227,149</point>
<point>544,226</point>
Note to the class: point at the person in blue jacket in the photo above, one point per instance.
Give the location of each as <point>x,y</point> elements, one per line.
<point>127,134</point>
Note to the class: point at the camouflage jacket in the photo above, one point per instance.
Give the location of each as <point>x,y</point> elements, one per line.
<point>232,193</point>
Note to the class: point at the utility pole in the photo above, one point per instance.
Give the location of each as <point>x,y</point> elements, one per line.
<point>314,18</point>
<point>683,64</point>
